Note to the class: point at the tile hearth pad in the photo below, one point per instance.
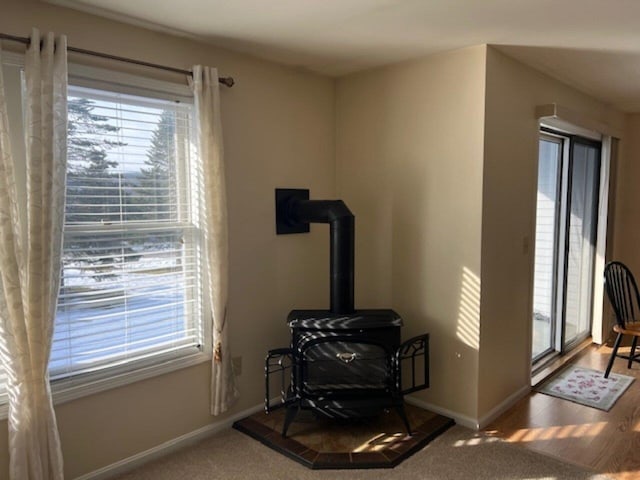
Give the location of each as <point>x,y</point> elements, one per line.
<point>322,443</point>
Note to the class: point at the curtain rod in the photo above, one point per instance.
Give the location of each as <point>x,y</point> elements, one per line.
<point>227,81</point>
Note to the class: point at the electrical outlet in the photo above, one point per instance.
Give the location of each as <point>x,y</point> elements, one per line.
<point>237,365</point>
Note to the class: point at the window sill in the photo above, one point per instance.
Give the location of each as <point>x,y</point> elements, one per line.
<point>63,392</point>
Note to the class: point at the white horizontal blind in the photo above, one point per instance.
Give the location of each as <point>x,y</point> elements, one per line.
<point>130,280</point>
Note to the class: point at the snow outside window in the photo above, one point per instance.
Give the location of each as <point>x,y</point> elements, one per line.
<point>131,290</point>
<point>130,279</point>
<point>131,297</point>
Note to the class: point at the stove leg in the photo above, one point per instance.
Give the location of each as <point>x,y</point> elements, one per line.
<point>292,411</point>
<point>403,416</point>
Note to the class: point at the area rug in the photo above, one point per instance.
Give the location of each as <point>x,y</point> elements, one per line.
<point>587,387</point>
<point>321,443</point>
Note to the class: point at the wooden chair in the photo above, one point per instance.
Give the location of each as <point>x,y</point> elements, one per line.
<point>623,294</point>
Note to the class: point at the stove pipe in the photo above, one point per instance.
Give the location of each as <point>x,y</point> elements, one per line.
<point>342,233</point>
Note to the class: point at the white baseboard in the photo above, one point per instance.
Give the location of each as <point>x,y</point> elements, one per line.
<point>470,422</point>
<point>503,406</point>
<point>460,419</point>
<point>165,448</point>
<point>195,436</point>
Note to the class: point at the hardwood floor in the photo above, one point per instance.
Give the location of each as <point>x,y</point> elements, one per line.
<point>608,442</point>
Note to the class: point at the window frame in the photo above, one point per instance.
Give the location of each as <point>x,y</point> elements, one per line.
<point>81,385</point>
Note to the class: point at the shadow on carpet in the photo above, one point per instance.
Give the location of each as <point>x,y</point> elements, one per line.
<point>322,443</point>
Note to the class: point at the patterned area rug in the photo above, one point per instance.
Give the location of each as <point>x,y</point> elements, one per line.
<point>587,387</point>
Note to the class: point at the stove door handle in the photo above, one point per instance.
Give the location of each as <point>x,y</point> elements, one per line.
<point>346,357</point>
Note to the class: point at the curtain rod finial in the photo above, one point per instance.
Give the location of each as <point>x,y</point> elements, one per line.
<point>227,81</point>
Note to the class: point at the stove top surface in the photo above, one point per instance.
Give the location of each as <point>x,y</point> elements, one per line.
<point>327,320</point>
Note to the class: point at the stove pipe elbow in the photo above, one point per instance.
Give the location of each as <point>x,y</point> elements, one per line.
<point>342,239</point>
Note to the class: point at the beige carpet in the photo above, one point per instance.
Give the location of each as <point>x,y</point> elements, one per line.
<point>456,454</point>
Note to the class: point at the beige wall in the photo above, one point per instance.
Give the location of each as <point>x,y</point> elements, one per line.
<point>508,216</point>
<point>442,183</point>
<point>409,165</point>
<point>626,230</point>
<point>278,132</point>
<point>442,176</point>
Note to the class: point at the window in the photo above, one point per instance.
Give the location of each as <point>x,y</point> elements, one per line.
<point>130,302</point>
<point>12,71</point>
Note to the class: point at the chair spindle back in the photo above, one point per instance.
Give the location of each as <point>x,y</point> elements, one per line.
<point>622,291</point>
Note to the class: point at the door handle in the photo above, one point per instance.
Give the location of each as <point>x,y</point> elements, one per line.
<point>346,357</point>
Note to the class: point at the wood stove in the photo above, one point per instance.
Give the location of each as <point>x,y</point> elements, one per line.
<point>342,362</point>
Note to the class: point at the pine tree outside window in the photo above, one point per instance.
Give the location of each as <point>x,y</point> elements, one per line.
<point>130,283</point>
<point>131,303</point>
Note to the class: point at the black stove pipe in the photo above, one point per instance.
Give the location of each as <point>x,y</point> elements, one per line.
<point>342,234</point>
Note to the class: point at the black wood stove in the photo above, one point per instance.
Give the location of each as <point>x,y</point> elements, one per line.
<point>342,362</point>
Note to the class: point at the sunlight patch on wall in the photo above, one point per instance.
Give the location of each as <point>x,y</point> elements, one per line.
<point>468,328</point>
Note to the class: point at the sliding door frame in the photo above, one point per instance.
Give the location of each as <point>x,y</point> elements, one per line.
<point>562,238</point>
<point>573,140</point>
<point>559,200</point>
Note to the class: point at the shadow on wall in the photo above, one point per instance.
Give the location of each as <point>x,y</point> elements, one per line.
<point>593,70</point>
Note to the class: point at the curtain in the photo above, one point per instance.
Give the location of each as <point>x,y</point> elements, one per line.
<point>206,92</point>
<point>30,260</point>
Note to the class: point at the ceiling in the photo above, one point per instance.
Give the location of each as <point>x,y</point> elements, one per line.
<point>593,45</point>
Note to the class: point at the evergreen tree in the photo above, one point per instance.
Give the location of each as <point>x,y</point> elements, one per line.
<point>90,183</point>
<point>158,178</point>
<point>94,190</point>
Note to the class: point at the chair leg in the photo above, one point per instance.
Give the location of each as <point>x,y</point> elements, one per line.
<point>616,345</point>
<point>633,351</point>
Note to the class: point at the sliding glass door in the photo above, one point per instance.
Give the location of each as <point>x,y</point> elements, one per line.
<point>547,213</point>
<point>581,239</point>
<point>566,216</point>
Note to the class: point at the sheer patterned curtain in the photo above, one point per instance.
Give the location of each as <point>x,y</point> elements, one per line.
<point>206,91</point>
<point>30,267</point>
